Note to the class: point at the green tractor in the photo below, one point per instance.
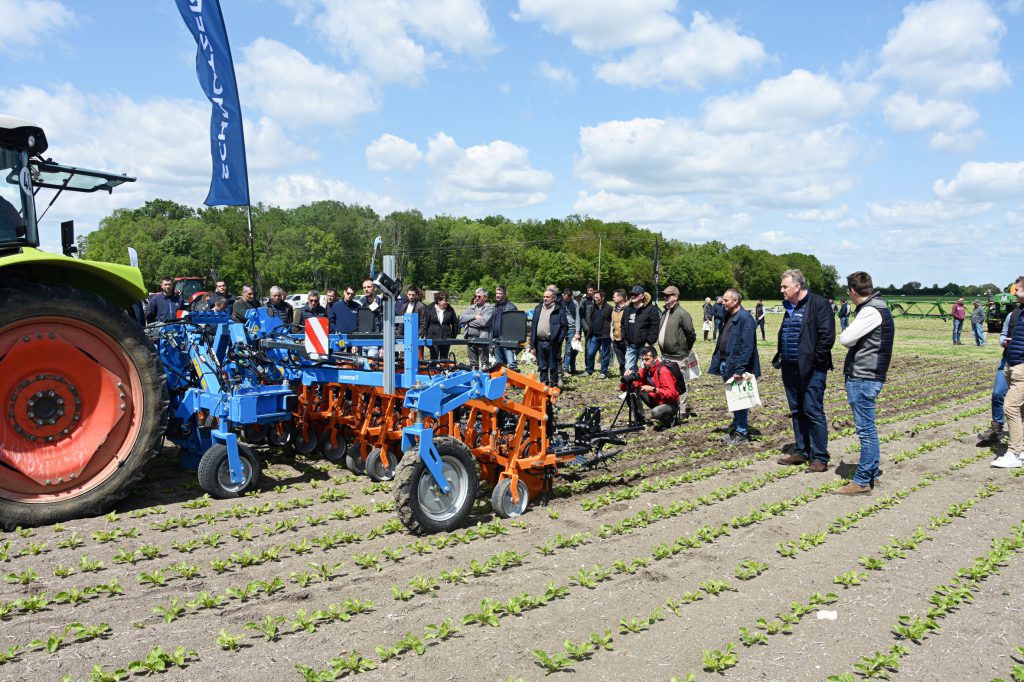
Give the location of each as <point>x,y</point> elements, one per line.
<point>1000,305</point>
<point>84,401</point>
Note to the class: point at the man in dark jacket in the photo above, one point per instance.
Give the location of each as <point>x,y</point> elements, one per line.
<point>278,307</point>
<point>412,303</point>
<point>804,355</point>
<point>164,305</point>
<point>547,331</point>
<point>442,324</point>
<point>506,356</point>
<point>640,326</point>
<point>221,289</point>
<point>599,338</point>
<point>312,308</point>
<point>341,315</point>
<point>718,315</point>
<point>586,303</point>
<point>244,302</point>
<point>736,355</point>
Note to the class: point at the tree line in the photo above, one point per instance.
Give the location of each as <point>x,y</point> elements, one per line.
<point>329,243</point>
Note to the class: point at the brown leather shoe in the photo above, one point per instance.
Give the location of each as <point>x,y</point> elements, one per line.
<point>818,467</point>
<point>792,460</point>
<point>852,488</point>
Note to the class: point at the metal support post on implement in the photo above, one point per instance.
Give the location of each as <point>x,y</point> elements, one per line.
<point>389,326</point>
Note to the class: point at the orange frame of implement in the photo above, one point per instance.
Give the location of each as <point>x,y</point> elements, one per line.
<point>524,454</point>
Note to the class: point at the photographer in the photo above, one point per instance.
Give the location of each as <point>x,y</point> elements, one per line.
<point>654,386</point>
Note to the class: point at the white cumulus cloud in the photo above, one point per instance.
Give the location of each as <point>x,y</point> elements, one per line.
<point>598,25</point>
<point>398,40</point>
<point>642,209</point>
<point>821,215</point>
<point>798,100</point>
<point>389,152</point>
<point>289,191</point>
<point>497,175</point>
<point>659,157</point>
<point>708,51</point>
<point>906,112</point>
<point>24,23</point>
<point>285,84</point>
<point>983,182</point>
<point>947,47</point>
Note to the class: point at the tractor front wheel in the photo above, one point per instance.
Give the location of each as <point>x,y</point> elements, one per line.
<point>421,505</point>
<point>84,404</point>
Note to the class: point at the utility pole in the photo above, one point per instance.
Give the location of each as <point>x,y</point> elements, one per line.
<point>657,269</point>
<point>599,262</point>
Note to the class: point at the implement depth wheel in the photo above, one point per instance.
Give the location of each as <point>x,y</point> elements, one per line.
<point>501,499</point>
<point>304,444</point>
<point>421,505</point>
<point>84,404</point>
<point>354,461</point>
<point>279,434</point>
<point>215,475</point>
<point>375,468</point>
<point>331,452</point>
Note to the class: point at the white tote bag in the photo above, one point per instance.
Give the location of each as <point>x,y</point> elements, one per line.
<point>742,394</point>
<point>691,369</point>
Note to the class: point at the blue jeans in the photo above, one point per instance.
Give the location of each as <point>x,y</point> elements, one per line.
<point>999,394</point>
<point>593,346</point>
<point>807,407</point>
<point>718,327</point>
<point>958,325</point>
<point>844,322</point>
<point>979,333</point>
<point>632,357</point>
<point>507,357</point>
<point>861,394</point>
<point>739,417</point>
<point>569,357</point>
<point>548,357</point>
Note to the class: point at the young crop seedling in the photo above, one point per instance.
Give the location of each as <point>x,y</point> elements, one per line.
<point>156,577</point>
<point>750,569</point>
<point>750,638</point>
<point>718,661</point>
<point>24,578</point>
<point>551,663</point>
<point>849,579</point>
<point>269,627</point>
<point>172,611</point>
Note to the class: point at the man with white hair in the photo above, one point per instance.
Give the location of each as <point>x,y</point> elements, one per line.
<point>476,320</point>
<point>278,307</point>
<point>244,303</point>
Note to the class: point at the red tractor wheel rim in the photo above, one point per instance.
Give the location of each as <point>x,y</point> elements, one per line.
<point>71,401</point>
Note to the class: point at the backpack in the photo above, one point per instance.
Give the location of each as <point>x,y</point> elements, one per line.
<point>677,374</point>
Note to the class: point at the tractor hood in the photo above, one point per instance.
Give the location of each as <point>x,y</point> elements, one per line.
<point>120,284</point>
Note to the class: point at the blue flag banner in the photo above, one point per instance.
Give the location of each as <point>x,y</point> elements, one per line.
<point>229,185</point>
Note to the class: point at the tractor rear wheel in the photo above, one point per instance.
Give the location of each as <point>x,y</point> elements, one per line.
<point>215,474</point>
<point>421,505</point>
<point>84,404</point>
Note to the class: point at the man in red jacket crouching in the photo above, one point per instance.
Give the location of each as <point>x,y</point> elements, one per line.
<point>654,386</point>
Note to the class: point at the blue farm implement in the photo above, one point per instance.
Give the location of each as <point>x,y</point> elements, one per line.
<point>438,429</point>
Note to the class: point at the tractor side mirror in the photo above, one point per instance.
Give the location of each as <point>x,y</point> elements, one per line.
<point>67,237</point>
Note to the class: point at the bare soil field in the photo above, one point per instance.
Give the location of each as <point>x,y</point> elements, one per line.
<point>680,558</point>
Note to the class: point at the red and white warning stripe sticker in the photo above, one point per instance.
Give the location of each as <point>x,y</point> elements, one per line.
<point>316,336</point>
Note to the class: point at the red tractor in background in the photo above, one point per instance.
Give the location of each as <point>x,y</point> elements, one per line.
<point>191,290</point>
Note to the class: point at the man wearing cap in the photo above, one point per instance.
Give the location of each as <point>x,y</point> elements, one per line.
<point>676,335</point>
<point>640,326</point>
<point>804,355</point>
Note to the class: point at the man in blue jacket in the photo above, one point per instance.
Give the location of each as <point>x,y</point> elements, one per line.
<point>804,355</point>
<point>341,315</point>
<point>506,356</point>
<point>736,355</point>
<point>163,306</point>
<point>547,331</point>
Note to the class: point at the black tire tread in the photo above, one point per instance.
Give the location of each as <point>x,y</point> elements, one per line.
<point>209,467</point>
<point>408,471</point>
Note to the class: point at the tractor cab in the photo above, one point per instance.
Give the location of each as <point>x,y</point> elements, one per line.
<point>25,172</point>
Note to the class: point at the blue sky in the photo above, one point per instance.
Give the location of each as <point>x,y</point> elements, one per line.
<point>877,135</point>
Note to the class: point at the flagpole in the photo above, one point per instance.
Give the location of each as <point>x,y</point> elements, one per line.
<point>252,242</point>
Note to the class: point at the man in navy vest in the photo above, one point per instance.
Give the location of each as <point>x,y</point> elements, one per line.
<point>1012,339</point>
<point>804,355</point>
<point>869,339</point>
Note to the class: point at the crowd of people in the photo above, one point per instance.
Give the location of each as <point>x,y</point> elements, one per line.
<point>653,349</point>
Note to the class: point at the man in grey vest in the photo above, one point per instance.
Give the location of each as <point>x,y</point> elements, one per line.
<point>869,339</point>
